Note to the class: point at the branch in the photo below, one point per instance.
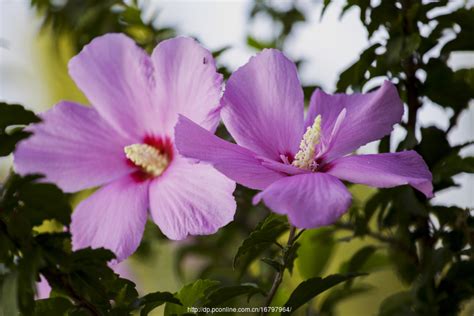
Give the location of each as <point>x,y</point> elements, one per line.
<point>279,275</point>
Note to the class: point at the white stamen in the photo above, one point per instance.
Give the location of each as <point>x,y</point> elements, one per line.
<point>304,158</point>
<point>147,157</point>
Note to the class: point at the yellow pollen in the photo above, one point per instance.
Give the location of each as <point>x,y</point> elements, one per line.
<point>147,157</point>
<point>304,158</point>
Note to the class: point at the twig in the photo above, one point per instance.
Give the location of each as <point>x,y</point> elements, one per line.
<point>279,275</point>
<point>378,236</point>
<point>382,238</point>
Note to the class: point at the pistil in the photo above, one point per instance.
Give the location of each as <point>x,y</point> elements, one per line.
<point>148,158</point>
<point>304,158</point>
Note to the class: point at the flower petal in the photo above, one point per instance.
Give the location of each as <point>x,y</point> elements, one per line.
<point>117,78</point>
<point>191,199</point>
<point>187,82</point>
<point>310,200</point>
<point>74,148</point>
<point>264,105</point>
<point>114,218</point>
<point>368,117</point>
<point>385,170</point>
<point>43,289</point>
<point>236,162</point>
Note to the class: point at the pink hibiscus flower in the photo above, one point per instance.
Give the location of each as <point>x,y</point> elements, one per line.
<point>125,144</point>
<point>299,163</point>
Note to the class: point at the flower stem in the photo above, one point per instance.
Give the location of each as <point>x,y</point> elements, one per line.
<point>279,275</point>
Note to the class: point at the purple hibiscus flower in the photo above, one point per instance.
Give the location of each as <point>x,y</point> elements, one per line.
<point>299,163</point>
<point>125,144</point>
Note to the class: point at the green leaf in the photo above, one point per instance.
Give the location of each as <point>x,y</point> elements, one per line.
<point>223,294</point>
<point>456,287</point>
<point>385,14</point>
<point>55,306</point>
<point>362,4</point>
<point>122,291</point>
<point>451,166</point>
<point>89,275</point>
<point>338,295</point>
<point>398,304</point>
<point>326,3</point>
<point>433,146</point>
<point>153,300</point>
<point>86,258</point>
<point>359,259</point>
<point>463,18</point>
<point>27,276</point>
<point>191,295</point>
<point>259,45</point>
<point>379,201</point>
<point>445,88</point>
<point>15,114</point>
<point>37,198</point>
<point>12,116</point>
<point>265,234</point>
<point>275,264</point>
<point>354,76</point>
<point>8,294</point>
<point>310,288</point>
<point>8,142</point>
<point>315,251</point>
<point>220,51</point>
<point>449,215</point>
<point>289,256</point>
<point>34,200</point>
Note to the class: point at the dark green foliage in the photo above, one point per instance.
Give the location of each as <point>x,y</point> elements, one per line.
<point>359,259</point>
<point>84,20</point>
<point>82,280</point>
<point>153,300</point>
<point>191,295</point>
<point>315,251</point>
<point>339,294</point>
<point>55,306</point>
<point>284,20</point>
<point>224,294</point>
<point>424,241</point>
<point>399,304</point>
<point>310,288</point>
<point>12,118</point>
<point>263,236</point>
<point>82,277</point>
<point>206,294</point>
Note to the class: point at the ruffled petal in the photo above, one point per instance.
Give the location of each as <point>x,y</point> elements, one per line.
<point>117,78</point>
<point>368,117</point>
<point>236,162</point>
<point>309,200</point>
<point>187,82</point>
<point>191,199</point>
<point>385,170</point>
<point>74,148</point>
<point>114,217</point>
<point>263,105</point>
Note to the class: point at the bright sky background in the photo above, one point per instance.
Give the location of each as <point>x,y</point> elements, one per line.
<point>329,46</point>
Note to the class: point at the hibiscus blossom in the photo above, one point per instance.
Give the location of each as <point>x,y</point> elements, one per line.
<point>125,144</point>
<point>299,163</point>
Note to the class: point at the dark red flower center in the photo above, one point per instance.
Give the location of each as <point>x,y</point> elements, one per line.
<point>151,158</point>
